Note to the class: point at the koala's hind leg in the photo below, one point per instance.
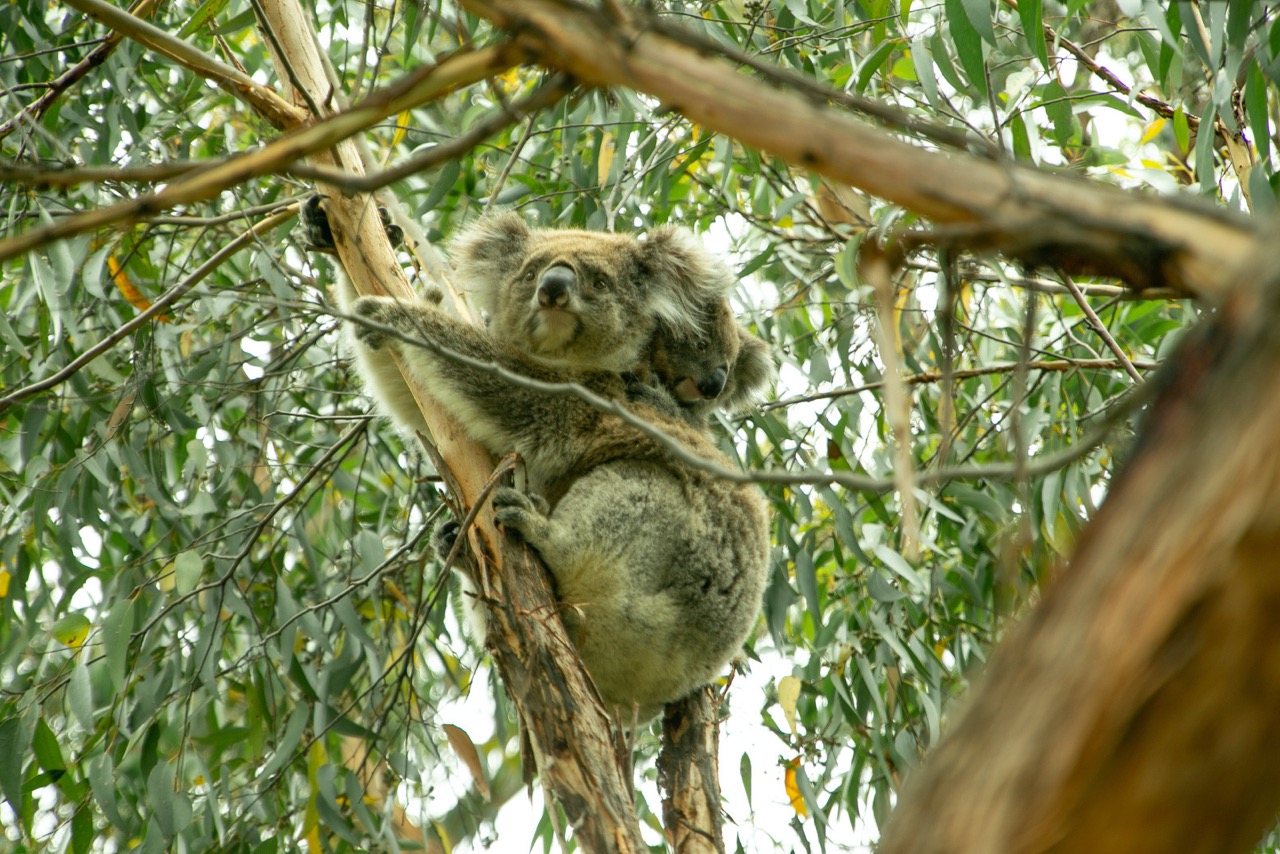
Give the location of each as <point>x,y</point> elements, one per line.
<point>526,514</point>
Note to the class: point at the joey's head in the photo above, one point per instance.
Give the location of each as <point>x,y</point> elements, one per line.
<point>721,366</point>
<point>585,299</point>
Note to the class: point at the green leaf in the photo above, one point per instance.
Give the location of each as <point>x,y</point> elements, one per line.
<point>206,11</point>
<point>979,14</point>
<point>288,743</point>
<point>48,754</point>
<point>15,740</point>
<point>968,44</point>
<point>1031,13</point>
<point>80,696</point>
<point>117,629</point>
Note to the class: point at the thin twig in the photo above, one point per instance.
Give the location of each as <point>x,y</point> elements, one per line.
<point>73,75</point>
<point>1100,328</point>
<point>965,374</point>
<point>545,95</point>
<point>270,105</point>
<point>420,87</point>
<point>808,477</point>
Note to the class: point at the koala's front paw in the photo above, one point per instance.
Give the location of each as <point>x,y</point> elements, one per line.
<point>518,510</point>
<point>382,311</point>
<point>444,536</point>
<point>313,225</point>
<point>316,235</point>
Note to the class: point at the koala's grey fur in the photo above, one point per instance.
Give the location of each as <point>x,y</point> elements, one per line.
<point>661,566</point>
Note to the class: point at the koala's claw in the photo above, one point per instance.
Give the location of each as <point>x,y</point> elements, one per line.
<point>313,225</point>
<point>506,496</point>
<point>316,234</point>
<point>518,510</point>
<point>444,537</point>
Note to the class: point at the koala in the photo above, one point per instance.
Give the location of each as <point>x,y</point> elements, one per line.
<point>660,565</point>
<point>722,367</point>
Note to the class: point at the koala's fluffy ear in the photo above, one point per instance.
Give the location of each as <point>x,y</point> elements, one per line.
<point>681,277</point>
<point>751,375</point>
<point>487,252</point>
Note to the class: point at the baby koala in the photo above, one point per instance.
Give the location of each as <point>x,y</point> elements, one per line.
<point>723,366</point>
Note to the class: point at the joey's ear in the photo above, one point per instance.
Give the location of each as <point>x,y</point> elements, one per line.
<point>681,277</point>
<point>486,252</point>
<point>751,375</point>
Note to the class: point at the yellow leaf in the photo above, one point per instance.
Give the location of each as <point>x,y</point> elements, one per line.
<point>466,751</point>
<point>607,147</point>
<point>788,694</point>
<point>130,291</point>
<point>402,127</point>
<point>4,583</point>
<point>1153,130</point>
<point>168,579</point>
<point>793,789</point>
<point>72,630</point>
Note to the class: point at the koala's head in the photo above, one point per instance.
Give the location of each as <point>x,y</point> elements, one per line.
<point>586,299</point>
<point>722,366</point>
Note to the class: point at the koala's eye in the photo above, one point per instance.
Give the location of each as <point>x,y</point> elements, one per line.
<point>528,276</point>
<point>600,284</point>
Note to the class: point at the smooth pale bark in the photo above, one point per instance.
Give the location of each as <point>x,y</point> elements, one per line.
<point>1135,709</point>
<point>576,749</point>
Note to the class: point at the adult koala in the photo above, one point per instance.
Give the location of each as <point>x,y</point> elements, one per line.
<point>661,565</point>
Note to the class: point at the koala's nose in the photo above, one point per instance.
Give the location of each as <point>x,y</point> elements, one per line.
<point>712,383</point>
<point>556,286</point>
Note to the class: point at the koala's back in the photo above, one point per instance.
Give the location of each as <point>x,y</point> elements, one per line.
<point>686,558</point>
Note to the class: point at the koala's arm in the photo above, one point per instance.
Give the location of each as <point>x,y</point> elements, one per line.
<point>378,371</point>
<point>548,430</point>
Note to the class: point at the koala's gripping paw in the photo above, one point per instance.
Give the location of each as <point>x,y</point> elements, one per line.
<point>518,510</point>
<point>444,536</point>
<point>315,233</point>
<point>382,311</point>
<point>313,225</point>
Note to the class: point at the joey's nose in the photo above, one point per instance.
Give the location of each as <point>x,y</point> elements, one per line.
<point>713,383</point>
<point>555,286</point>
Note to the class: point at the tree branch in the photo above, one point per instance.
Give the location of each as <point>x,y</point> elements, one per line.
<point>565,721</point>
<point>424,85</point>
<point>261,98</point>
<point>1043,218</point>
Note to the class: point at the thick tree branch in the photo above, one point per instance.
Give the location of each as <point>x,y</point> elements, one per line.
<point>1042,218</point>
<point>1134,710</point>
<point>689,776</point>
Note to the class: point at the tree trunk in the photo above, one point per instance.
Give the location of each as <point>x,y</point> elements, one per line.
<point>1135,709</point>
<point>575,746</point>
<point>688,774</point>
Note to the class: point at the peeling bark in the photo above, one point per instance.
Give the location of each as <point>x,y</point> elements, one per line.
<point>1135,709</point>
<point>688,776</point>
